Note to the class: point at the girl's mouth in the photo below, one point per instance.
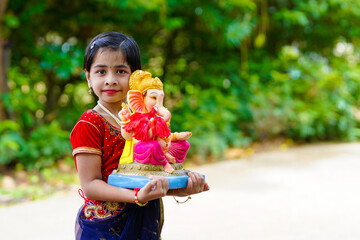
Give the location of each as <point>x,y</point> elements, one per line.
<point>110,91</point>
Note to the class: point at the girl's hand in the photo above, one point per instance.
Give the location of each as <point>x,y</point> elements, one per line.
<point>156,188</point>
<point>196,184</point>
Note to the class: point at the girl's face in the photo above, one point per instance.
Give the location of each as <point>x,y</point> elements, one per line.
<point>109,76</point>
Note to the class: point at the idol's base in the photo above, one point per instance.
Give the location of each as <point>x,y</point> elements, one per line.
<point>128,181</point>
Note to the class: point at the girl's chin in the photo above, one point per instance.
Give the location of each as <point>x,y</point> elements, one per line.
<point>112,100</point>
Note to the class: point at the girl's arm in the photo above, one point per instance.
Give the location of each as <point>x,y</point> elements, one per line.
<point>196,184</point>
<point>89,169</point>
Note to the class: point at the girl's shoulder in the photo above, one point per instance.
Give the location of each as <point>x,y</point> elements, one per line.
<point>92,119</point>
<point>90,115</point>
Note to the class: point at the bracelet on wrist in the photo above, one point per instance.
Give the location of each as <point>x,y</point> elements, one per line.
<point>136,198</point>
<point>174,138</point>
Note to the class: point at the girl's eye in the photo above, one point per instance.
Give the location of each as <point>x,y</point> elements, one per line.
<point>101,72</point>
<point>121,71</point>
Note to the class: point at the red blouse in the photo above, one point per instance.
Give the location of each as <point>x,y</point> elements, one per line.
<point>94,134</point>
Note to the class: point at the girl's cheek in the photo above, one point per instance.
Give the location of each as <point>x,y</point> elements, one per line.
<point>126,81</point>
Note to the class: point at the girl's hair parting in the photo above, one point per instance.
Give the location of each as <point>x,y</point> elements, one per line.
<point>114,41</point>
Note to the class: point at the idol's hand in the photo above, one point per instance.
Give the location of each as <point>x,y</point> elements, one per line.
<point>156,188</point>
<point>124,114</point>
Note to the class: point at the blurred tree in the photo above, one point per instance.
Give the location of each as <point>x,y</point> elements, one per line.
<point>3,77</point>
<point>234,71</point>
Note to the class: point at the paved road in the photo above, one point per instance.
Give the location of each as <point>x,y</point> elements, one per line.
<point>305,193</point>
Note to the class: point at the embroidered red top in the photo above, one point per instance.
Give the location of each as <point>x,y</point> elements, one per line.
<point>94,134</point>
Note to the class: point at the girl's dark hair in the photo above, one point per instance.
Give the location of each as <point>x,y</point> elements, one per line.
<point>114,41</point>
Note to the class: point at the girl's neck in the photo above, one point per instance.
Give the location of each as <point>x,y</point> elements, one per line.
<point>109,112</point>
<point>114,108</point>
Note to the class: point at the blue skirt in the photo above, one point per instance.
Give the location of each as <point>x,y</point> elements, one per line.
<point>133,222</point>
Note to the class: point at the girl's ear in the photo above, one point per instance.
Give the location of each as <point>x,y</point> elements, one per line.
<point>87,74</point>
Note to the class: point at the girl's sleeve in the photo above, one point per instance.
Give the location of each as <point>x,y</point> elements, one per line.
<point>86,138</point>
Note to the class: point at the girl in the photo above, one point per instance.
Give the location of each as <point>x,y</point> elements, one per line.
<point>110,212</point>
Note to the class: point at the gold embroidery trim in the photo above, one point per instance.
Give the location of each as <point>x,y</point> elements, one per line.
<point>87,150</point>
<point>90,124</point>
<point>84,122</point>
<point>96,208</point>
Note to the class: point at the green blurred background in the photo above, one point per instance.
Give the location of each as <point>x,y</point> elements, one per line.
<point>235,72</point>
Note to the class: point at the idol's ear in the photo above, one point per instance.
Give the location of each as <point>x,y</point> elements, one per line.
<point>136,101</point>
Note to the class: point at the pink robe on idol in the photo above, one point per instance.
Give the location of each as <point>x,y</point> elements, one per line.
<point>148,150</point>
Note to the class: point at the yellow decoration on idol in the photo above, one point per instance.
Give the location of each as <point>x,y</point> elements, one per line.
<point>142,81</point>
<point>128,154</point>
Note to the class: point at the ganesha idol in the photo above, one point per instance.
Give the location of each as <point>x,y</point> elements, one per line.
<point>145,126</point>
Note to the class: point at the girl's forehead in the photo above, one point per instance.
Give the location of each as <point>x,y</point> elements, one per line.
<point>105,55</point>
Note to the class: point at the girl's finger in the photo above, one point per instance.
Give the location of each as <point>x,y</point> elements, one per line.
<point>206,187</point>
<point>202,182</point>
<point>167,182</point>
<point>190,184</point>
<point>199,183</point>
<point>160,184</point>
<point>193,177</point>
<point>154,185</point>
<point>166,187</point>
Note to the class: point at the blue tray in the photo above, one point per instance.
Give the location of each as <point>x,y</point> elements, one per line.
<point>128,181</point>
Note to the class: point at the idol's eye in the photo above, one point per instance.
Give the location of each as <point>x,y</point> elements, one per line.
<point>153,97</point>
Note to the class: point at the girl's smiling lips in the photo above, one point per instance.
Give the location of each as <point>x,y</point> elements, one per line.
<point>110,91</point>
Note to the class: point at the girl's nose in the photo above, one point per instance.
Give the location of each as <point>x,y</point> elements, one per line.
<point>111,80</point>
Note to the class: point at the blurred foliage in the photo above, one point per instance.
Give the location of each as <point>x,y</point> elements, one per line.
<point>234,71</point>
